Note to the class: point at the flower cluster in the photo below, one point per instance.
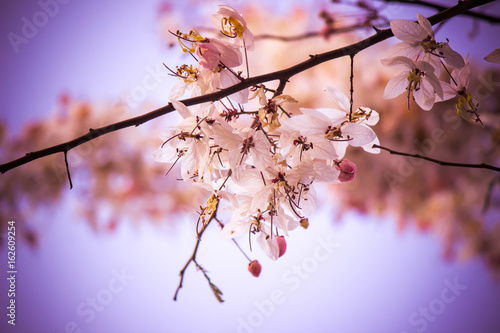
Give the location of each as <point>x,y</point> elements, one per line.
<point>420,58</point>
<point>257,157</point>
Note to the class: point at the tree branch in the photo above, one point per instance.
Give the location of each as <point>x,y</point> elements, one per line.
<point>282,75</point>
<point>476,15</point>
<point>214,288</point>
<point>461,165</point>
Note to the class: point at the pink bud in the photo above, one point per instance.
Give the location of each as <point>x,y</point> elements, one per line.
<point>347,170</point>
<point>281,245</point>
<point>254,268</point>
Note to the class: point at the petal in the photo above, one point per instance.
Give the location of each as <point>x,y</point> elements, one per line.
<point>322,149</point>
<point>493,56</point>
<point>165,155</point>
<point>396,86</point>
<point>434,61</point>
<point>424,22</point>
<point>268,245</point>
<point>359,134</point>
<point>229,54</point>
<point>399,62</point>
<point>451,57</point>
<point>405,49</point>
<point>369,147</point>
<point>324,172</point>
<point>177,90</point>
<point>463,77</point>
<point>435,83</point>
<point>227,79</point>
<point>235,229</point>
<point>425,96</point>
<point>340,97</point>
<point>182,109</point>
<point>406,30</point>
<point>448,92</point>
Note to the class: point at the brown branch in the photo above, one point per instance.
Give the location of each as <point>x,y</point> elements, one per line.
<point>213,287</point>
<point>67,169</point>
<point>476,15</point>
<point>312,34</point>
<point>461,165</point>
<point>192,259</point>
<point>351,91</point>
<point>281,75</point>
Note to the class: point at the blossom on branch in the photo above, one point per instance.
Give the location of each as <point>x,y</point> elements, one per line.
<point>417,78</point>
<point>419,37</point>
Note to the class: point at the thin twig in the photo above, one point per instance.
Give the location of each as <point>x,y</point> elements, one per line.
<point>284,74</point>
<point>67,169</point>
<point>352,86</point>
<point>193,259</point>
<point>461,165</point>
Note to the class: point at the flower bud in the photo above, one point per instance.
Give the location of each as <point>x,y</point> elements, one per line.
<point>254,268</point>
<point>304,222</point>
<point>347,170</point>
<point>281,245</point>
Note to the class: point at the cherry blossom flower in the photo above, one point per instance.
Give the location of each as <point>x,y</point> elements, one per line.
<point>212,52</point>
<point>467,105</point>
<point>243,145</point>
<point>334,126</point>
<point>188,76</point>
<point>189,141</point>
<point>419,37</point>
<point>232,24</point>
<point>417,78</point>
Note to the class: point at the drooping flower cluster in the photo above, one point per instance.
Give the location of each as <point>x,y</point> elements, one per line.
<point>421,58</point>
<point>263,162</point>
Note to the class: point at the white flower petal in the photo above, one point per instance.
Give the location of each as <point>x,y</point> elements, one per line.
<point>359,134</point>
<point>340,97</point>
<point>435,83</point>
<point>424,22</point>
<point>494,56</point>
<point>184,112</point>
<point>448,92</point>
<point>408,30</point>
<point>399,62</point>
<point>425,96</point>
<point>451,57</point>
<point>324,172</point>
<point>177,90</point>
<point>396,86</point>
<point>268,244</point>
<point>405,49</point>
<point>369,147</point>
<point>235,229</point>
